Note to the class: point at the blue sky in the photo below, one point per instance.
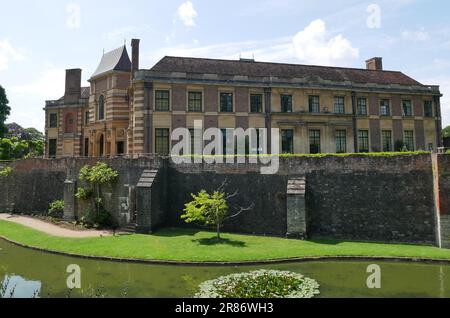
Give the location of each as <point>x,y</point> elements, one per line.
<point>40,39</point>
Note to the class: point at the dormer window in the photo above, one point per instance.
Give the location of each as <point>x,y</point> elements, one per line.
<point>101,108</point>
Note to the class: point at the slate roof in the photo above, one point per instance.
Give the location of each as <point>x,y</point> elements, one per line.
<point>116,60</point>
<point>264,69</point>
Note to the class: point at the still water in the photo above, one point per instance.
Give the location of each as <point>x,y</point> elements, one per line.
<point>35,274</point>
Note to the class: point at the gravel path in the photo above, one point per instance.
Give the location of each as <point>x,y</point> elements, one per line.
<point>51,229</point>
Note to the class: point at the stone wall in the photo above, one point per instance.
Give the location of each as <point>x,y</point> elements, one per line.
<point>356,197</point>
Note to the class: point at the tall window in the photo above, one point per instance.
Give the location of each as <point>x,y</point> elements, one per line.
<point>341,141</point>
<point>314,141</point>
<point>363,140</point>
<point>361,106</point>
<point>53,120</point>
<point>407,108</point>
<point>339,105</point>
<point>226,102</point>
<point>101,108</point>
<point>409,139</point>
<point>287,141</point>
<point>195,101</point>
<point>428,108</point>
<point>385,107</point>
<point>256,102</point>
<point>86,147</point>
<point>162,101</point>
<point>86,118</point>
<point>286,103</point>
<point>314,104</point>
<point>162,141</point>
<point>52,146</point>
<point>386,139</point>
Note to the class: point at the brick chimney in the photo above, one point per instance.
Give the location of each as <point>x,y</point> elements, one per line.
<point>375,64</point>
<point>73,86</point>
<point>134,55</point>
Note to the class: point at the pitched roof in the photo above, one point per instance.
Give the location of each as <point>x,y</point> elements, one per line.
<point>264,69</point>
<point>116,60</point>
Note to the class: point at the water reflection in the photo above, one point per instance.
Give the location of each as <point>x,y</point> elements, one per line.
<point>18,287</point>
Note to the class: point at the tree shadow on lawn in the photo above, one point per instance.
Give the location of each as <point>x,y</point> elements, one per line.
<point>223,241</point>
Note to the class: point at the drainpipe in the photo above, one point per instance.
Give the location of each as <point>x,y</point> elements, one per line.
<point>354,123</point>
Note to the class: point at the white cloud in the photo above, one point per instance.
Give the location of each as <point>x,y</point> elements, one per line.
<point>48,85</point>
<point>8,53</point>
<point>186,14</point>
<point>125,32</point>
<point>73,20</point>
<point>416,36</point>
<point>315,45</point>
<point>271,50</point>
<point>27,100</point>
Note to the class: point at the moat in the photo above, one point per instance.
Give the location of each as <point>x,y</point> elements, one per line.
<point>37,274</point>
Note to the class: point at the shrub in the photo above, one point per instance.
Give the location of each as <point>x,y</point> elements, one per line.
<point>97,219</point>
<point>5,172</point>
<point>83,194</point>
<point>56,209</point>
<point>260,284</point>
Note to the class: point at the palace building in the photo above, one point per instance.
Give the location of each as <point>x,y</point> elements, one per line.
<point>131,111</point>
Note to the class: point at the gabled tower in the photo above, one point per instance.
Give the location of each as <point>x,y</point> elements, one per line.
<point>108,116</point>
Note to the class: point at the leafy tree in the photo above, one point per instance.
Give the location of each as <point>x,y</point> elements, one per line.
<point>446,132</point>
<point>32,134</point>
<point>4,111</point>
<point>211,209</point>
<point>96,177</point>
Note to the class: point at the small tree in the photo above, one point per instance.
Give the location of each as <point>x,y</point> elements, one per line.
<point>96,177</point>
<point>211,209</point>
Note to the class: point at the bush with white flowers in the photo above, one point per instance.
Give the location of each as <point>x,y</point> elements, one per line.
<point>260,284</point>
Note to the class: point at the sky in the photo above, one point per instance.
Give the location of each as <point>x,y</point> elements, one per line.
<point>40,39</point>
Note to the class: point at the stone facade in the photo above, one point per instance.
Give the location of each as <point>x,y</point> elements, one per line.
<point>127,110</point>
<point>353,198</point>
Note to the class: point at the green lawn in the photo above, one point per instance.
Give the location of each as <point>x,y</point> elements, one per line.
<point>191,245</point>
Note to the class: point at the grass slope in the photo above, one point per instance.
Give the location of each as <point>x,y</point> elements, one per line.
<point>191,245</point>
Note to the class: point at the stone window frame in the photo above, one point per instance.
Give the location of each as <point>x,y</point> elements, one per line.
<point>86,117</point>
<point>156,99</point>
<point>337,135</point>
<point>98,107</point>
<point>340,111</point>
<point>50,140</point>
<point>312,140</point>
<point>233,101</point>
<point>383,139</point>
<point>159,129</point>
<point>188,100</point>
<point>50,120</point>
<point>426,112</point>
<point>365,137</point>
<point>261,110</point>
<point>388,107</point>
<point>358,105</point>
<point>292,146</point>
<point>290,105</point>
<point>409,139</point>
<point>411,106</point>
<point>312,104</point>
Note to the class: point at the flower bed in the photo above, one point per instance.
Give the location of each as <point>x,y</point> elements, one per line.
<point>260,284</point>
